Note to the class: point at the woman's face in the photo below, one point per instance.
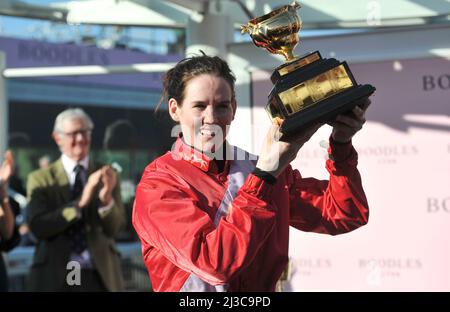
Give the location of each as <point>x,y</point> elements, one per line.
<point>205,113</point>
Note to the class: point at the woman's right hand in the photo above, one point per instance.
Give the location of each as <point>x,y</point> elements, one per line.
<point>276,155</point>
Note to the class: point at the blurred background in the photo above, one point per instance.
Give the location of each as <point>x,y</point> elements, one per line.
<point>108,56</point>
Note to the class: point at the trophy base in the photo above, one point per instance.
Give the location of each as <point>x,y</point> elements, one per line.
<point>325,110</point>
<point>283,70</point>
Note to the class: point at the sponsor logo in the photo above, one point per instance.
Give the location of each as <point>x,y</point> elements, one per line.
<point>438,205</point>
<point>379,269</point>
<point>388,154</point>
<point>60,54</point>
<point>307,266</point>
<point>441,82</point>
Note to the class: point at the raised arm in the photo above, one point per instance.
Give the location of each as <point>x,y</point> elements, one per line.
<point>335,206</point>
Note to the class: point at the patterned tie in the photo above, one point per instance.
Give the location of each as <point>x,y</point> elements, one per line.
<point>77,231</point>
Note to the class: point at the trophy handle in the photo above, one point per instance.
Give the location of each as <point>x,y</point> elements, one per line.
<point>246,29</point>
<point>296,5</point>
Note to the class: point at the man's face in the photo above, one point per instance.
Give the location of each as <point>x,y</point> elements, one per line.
<point>74,140</point>
<point>206,112</point>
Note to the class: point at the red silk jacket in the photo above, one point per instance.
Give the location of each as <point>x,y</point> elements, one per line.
<point>202,230</point>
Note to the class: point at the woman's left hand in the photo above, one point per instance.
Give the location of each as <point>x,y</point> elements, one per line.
<point>345,126</point>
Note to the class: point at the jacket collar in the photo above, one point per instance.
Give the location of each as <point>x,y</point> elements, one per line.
<point>195,157</point>
<point>69,164</point>
<point>61,178</point>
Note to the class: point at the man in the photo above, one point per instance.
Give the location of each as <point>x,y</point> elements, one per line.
<point>75,210</point>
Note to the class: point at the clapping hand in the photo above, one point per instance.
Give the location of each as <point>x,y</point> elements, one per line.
<point>108,181</point>
<point>104,177</point>
<point>7,167</point>
<point>6,215</point>
<point>6,171</point>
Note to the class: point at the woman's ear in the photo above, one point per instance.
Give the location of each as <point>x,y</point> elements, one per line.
<point>174,109</point>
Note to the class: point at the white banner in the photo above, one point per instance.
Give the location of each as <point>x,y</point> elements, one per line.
<point>404,160</point>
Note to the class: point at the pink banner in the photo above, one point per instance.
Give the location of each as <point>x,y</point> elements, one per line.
<point>404,160</point>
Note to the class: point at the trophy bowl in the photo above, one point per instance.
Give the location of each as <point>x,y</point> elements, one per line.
<point>277,31</point>
<point>308,89</point>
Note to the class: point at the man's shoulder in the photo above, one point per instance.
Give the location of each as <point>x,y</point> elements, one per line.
<point>45,172</point>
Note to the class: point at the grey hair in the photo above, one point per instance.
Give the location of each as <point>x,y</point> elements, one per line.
<point>71,113</point>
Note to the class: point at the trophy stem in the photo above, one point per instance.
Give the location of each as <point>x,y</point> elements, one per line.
<point>289,56</point>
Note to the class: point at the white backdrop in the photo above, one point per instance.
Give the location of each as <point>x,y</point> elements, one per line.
<point>404,160</point>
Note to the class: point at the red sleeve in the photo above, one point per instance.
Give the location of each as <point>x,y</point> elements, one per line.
<point>334,207</point>
<point>166,215</point>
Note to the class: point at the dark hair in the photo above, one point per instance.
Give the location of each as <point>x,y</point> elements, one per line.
<point>176,78</point>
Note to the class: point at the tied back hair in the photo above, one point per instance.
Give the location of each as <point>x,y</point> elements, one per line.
<point>176,78</point>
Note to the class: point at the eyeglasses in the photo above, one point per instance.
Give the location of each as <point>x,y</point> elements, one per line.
<point>84,133</point>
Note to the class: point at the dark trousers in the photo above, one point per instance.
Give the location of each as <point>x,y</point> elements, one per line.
<point>3,275</point>
<point>90,282</point>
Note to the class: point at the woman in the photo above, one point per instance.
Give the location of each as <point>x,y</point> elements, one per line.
<point>212,219</point>
<point>9,235</point>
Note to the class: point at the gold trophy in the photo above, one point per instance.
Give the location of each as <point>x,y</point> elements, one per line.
<point>307,89</point>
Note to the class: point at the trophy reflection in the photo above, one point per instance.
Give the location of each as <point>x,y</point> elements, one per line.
<point>307,89</point>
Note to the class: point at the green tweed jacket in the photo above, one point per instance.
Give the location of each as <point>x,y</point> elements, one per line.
<point>50,213</point>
